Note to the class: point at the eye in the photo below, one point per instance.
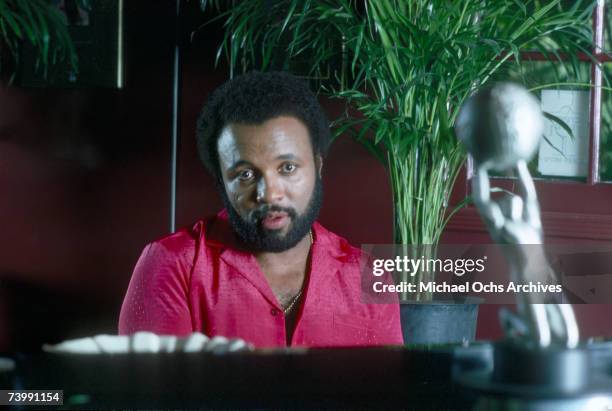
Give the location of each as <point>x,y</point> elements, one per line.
<point>245,175</point>
<point>288,168</point>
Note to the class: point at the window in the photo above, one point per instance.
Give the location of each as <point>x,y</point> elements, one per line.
<point>573,176</point>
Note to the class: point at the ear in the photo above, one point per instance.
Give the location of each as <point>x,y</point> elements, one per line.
<point>319,165</point>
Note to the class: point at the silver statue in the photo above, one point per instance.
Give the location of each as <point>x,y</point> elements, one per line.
<point>501,127</point>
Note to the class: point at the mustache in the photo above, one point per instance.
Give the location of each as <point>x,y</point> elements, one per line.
<point>259,214</point>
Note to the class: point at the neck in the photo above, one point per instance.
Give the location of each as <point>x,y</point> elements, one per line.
<point>293,258</point>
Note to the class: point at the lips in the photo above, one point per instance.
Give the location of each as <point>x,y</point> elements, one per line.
<point>275,220</point>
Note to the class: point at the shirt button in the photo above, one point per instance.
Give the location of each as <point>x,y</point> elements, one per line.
<point>274,311</point>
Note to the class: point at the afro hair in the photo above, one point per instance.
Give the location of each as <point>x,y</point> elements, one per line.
<point>254,98</point>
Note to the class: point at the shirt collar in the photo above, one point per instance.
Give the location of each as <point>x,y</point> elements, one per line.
<point>327,255</point>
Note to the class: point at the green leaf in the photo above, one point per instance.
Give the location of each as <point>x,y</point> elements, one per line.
<point>292,8</point>
<point>358,43</point>
<point>557,149</point>
<point>443,116</point>
<point>9,17</point>
<point>560,122</point>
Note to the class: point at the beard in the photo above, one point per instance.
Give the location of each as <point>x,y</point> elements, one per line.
<point>251,234</point>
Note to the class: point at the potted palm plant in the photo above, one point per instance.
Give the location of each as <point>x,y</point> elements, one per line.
<point>404,68</point>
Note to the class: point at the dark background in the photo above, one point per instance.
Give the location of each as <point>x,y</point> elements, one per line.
<point>84,185</point>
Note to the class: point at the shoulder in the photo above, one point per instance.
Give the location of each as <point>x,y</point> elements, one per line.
<point>181,238</point>
<point>182,244</point>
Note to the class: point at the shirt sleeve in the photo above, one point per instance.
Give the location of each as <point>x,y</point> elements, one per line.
<point>390,328</point>
<point>157,296</point>
<point>390,332</point>
<point>385,304</point>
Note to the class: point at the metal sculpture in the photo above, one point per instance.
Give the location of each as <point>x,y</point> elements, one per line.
<point>501,127</point>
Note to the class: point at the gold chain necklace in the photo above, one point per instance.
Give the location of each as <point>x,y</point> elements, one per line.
<point>290,306</point>
<point>299,294</point>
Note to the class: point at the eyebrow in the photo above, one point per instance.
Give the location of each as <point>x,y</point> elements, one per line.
<point>240,163</point>
<point>287,157</point>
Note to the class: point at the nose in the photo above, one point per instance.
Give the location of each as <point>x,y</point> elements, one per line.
<point>269,190</point>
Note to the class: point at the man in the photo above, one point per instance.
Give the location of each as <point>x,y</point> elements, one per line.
<point>263,269</point>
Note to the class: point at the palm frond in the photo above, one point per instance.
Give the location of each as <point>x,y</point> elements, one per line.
<point>40,24</point>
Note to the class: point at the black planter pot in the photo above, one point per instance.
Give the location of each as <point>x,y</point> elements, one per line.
<point>439,322</point>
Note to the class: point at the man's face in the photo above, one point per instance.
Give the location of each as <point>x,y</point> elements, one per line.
<point>272,182</point>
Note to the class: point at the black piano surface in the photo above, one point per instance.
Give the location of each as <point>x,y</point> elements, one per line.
<point>355,378</point>
<point>387,378</point>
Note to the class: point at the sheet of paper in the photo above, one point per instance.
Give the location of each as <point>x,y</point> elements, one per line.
<point>570,156</point>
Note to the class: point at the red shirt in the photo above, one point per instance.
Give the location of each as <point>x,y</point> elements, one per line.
<point>195,280</point>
